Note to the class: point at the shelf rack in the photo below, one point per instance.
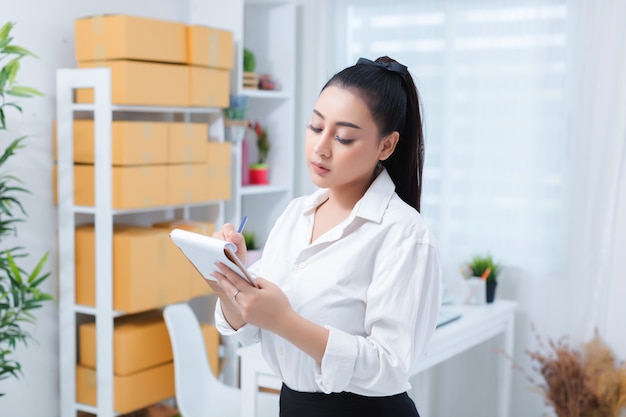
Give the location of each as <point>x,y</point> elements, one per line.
<point>100,80</point>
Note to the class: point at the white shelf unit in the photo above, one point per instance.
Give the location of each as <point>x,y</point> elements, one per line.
<point>269,31</point>
<point>104,217</point>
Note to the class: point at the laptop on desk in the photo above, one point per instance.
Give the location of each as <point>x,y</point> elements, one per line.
<point>449,311</point>
<point>448,314</point>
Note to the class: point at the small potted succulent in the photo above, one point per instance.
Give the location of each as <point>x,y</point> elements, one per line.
<point>484,268</point>
<point>250,78</point>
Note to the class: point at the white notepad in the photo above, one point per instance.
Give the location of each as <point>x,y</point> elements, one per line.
<point>203,251</point>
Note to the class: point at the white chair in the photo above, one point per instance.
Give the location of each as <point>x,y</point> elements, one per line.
<point>198,392</point>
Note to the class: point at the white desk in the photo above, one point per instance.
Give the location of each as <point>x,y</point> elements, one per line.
<point>477,325</point>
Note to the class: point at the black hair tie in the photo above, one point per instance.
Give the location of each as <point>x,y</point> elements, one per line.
<point>389,66</point>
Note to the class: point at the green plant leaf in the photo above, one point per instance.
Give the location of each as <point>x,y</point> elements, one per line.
<point>10,150</point>
<point>16,271</point>
<point>12,68</point>
<point>19,189</point>
<point>36,282</point>
<point>6,208</point>
<point>5,30</point>
<point>4,42</point>
<point>4,78</point>
<point>18,50</point>
<point>37,270</point>
<point>13,177</point>
<point>23,91</point>
<point>15,106</point>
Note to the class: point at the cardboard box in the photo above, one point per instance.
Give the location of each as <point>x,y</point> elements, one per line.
<point>187,142</point>
<point>130,392</point>
<point>209,87</point>
<point>140,342</point>
<point>136,83</point>
<point>219,168</point>
<point>132,186</point>
<point>210,47</point>
<point>187,183</point>
<point>132,142</point>
<point>117,36</point>
<point>147,269</point>
<point>197,284</point>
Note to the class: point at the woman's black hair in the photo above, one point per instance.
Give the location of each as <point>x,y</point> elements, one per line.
<point>391,96</point>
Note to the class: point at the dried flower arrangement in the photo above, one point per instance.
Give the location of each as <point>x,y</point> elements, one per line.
<point>580,383</point>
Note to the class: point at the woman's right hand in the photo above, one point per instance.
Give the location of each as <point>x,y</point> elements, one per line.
<point>229,233</point>
<point>231,312</point>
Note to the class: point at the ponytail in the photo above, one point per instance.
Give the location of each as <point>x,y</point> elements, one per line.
<point>388,89</point>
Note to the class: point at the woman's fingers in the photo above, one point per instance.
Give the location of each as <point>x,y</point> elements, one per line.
<point>233,277</point>
<point>229,233</point>
<point>225,232</point>
<point>228,294</point>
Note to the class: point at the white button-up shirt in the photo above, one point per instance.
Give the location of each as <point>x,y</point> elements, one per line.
<point>374,281</point>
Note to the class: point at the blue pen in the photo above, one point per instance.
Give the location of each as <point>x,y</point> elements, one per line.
<point>243,224</point>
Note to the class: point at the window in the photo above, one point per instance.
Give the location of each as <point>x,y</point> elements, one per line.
<point>493,79</point>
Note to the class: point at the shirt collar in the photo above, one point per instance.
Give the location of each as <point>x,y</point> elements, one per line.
<point>370,207</point>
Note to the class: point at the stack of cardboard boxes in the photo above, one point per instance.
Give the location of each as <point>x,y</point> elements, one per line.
<point>142,366</point>
<point>154,163</point>
<point>156,62</point>
<point>149,271</point>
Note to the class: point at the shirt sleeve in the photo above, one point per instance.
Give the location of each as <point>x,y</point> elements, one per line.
<point>403,304</point>
<point>246,335</point>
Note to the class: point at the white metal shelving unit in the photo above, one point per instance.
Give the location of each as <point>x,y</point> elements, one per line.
<point>103,216</point>
<point>269,30</point>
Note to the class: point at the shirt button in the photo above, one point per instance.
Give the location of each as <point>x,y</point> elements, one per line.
<point>280,350</point>
<point>302,265</point>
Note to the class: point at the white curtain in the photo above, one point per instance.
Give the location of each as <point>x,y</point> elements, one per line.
<point>525,121</point>
<point>598,224</point>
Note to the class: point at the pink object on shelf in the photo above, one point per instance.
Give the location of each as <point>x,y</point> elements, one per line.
<point>245,171</point>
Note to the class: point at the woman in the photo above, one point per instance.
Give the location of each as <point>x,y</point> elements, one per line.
<point>350,278</point>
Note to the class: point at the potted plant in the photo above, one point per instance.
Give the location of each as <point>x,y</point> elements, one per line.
<point>250,78</point>
<point>20,292</point>
<point>254,252</point>
<point>485,268</point>
<point>589,380</point>
<point>235,118</point>
<point>258,171</point>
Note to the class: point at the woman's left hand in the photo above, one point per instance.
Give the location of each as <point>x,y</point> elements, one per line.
<point>266,307</point>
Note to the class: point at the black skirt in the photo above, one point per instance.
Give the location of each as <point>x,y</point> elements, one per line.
<point>314,404</point>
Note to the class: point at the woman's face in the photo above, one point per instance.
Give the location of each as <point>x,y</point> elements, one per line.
<point>342,142</point>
